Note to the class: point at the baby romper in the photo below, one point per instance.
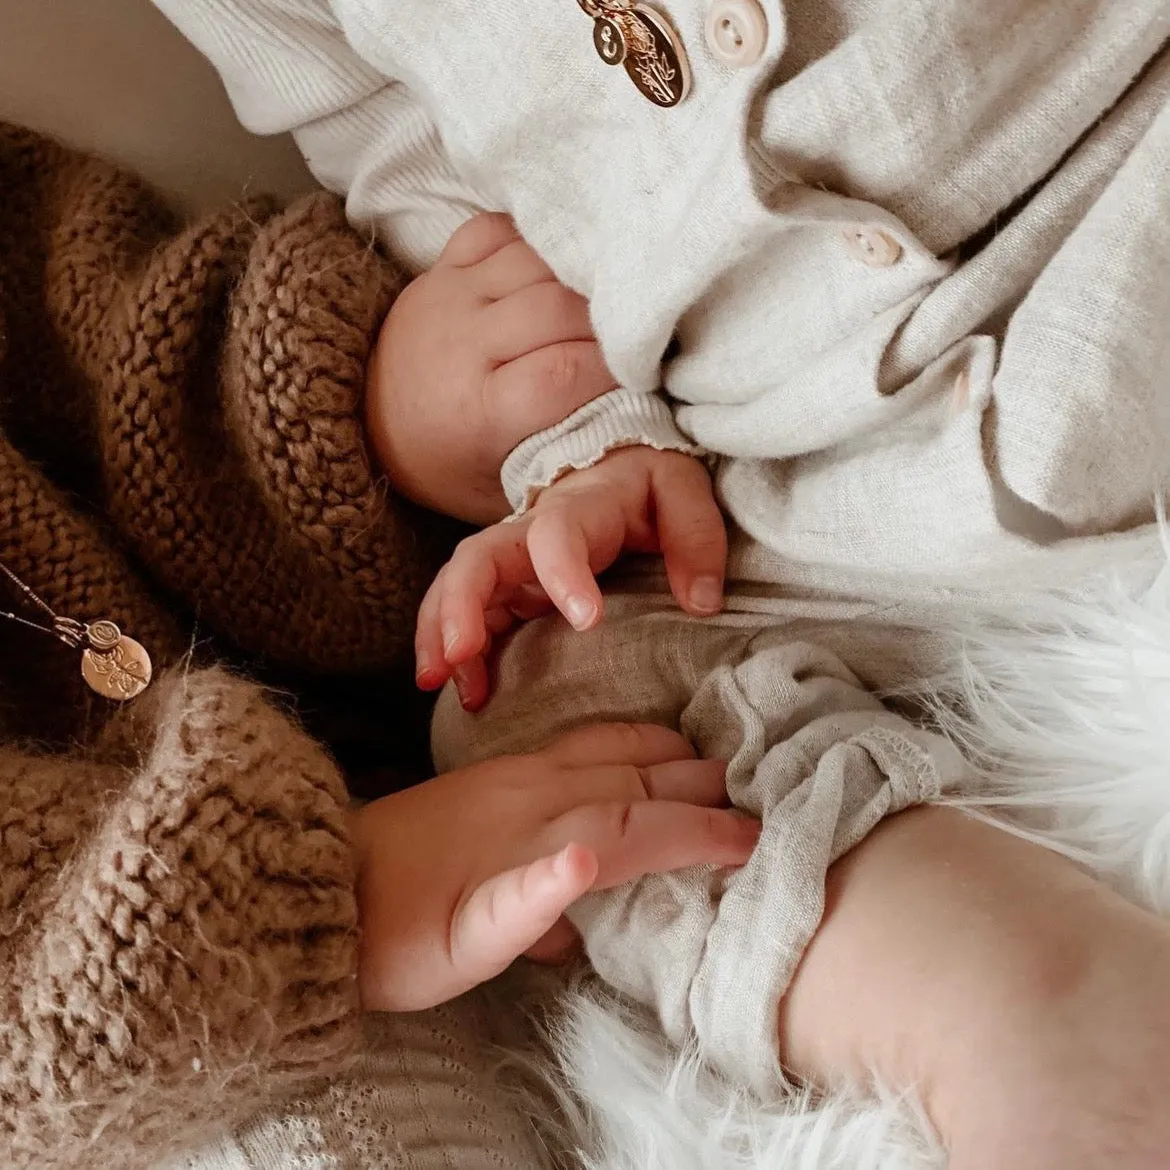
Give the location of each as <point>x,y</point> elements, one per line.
<point>899,266</point>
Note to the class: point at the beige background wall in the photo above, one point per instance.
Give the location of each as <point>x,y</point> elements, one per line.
<point>114,76</point>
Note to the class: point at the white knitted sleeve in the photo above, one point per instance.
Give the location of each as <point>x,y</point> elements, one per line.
<point>288,67</point>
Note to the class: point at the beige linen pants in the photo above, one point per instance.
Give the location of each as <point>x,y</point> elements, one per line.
<point>811,752</point>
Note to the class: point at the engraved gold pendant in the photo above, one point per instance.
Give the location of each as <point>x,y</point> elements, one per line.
<point>642,40</point>
<point>114,665</point>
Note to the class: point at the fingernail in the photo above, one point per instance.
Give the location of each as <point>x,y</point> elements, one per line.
<point>461,691</point>
<point>549,875</point>
<point>450,636</point>
<point>581,612</point>
<point>706,595</point>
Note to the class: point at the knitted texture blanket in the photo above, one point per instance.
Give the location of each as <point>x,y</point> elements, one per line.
<point>181,452</point>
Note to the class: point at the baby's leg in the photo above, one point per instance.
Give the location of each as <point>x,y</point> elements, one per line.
<point>1027,1003</point>
<point>1022,1000</point>
<point>810,752</point>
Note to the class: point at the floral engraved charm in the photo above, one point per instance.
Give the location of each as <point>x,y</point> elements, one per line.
<point>642,40</point>
<point>655,59</point>
<point>113,665</point>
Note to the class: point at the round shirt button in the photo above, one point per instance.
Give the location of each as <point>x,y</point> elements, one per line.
<point>873,247</point>
<point>737,32</point>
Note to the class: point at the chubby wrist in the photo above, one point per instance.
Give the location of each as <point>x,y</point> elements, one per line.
<point>408,465</point>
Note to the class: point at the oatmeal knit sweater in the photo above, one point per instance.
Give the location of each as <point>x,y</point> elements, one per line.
<point>180,451</point>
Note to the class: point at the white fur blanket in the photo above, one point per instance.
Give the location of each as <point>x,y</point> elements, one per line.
<point>1067,710</point>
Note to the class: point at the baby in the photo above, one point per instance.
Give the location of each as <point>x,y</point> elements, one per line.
<point>881,268</point>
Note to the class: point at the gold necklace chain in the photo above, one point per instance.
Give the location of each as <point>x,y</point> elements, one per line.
<point>112,664</point>
<point>66,630</point>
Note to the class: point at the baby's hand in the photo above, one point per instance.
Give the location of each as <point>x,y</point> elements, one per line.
<point>637,499</point>
<point>445,906</point>
<point>477,355</point>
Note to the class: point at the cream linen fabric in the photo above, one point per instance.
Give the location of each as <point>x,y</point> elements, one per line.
<point>811,752</point>
<point>1012,156</point>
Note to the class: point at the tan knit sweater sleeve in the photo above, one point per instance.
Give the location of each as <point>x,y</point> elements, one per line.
<point>180,451</point>
<point>178,924</point>
<point>217,373</point>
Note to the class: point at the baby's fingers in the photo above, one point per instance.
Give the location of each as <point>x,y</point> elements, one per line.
<point>459,615</point>
<point>473,678</point>
<point>479,239</point>
<point>568,544</point>
<point>472,683</point>
<point>656,836</point>
<point>512,912</point>
<point>692,534</point>
<point>430,665</point>
<point>483,572</point>
<point>559,549</point>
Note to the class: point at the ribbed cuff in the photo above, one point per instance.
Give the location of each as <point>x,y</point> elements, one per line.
<point>622,418</point>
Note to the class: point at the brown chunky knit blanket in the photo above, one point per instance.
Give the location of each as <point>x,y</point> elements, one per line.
<point>181,452</point>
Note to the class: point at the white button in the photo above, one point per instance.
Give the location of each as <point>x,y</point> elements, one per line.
<point>875,248</point>
<point>737,32</point>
